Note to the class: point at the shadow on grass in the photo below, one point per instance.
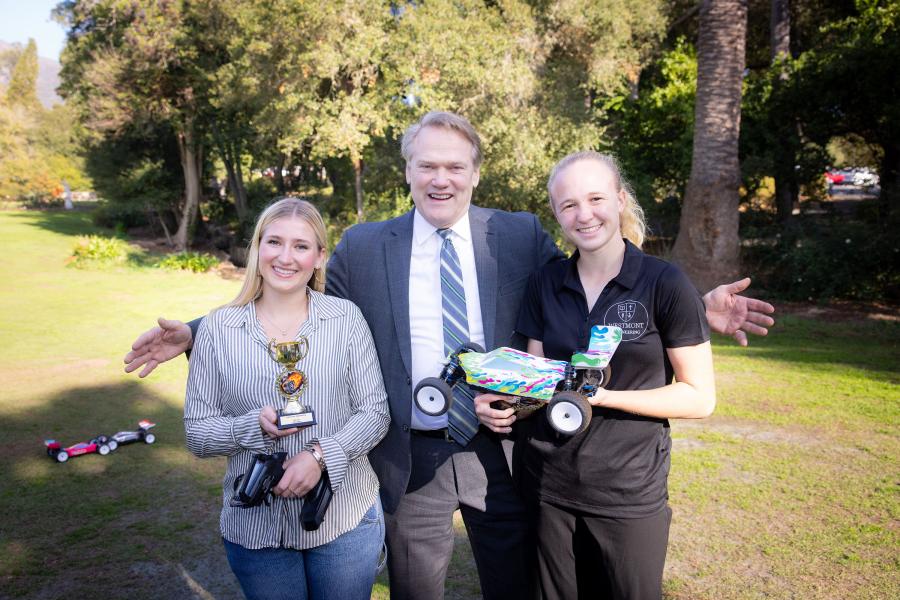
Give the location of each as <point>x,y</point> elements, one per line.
<point>873,347</point>
<point>143,517</point>
<point>78,223</point>
<point>75,222</point>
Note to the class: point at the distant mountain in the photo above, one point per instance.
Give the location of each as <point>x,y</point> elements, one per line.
<point>48,76</point>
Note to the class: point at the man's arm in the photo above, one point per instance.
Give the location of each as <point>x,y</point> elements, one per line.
<point>159,344</point>
<point>729,313</point>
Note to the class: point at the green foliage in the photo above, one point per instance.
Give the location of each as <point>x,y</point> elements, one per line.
<point>39,152</point>
<point>92,250</point>
<point>654,134</point>
<point>831,258</point>
<point>850,85</point>
<point>196,262</point>
<point>22,88</point>
<point>852,150</point>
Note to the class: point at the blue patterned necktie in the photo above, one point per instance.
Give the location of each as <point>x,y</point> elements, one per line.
<point>461,420</point>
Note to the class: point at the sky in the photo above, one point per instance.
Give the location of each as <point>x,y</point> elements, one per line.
<point>22,19</point>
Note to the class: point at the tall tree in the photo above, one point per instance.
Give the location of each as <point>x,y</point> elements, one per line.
<point>708,246</point>
<point>134,63</point>
<point>22,88</point>
<point>355,105</point>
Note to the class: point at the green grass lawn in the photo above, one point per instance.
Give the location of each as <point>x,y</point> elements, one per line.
<point>789,491</point>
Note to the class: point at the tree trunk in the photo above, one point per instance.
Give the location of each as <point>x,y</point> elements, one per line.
<point>890,181</point>
<point>241,204</point>
<point>191,154</point>
<point>279,176</point>
<point>786,188</point>
<point>231,157</point>
<point>357,186</point>
<point>708,247</point>
<point>780,29</point>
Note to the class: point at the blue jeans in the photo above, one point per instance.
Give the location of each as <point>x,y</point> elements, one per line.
<point>343,568</point>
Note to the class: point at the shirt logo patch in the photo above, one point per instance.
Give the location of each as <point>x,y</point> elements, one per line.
<point>626,310</point>
<point>631,316</point>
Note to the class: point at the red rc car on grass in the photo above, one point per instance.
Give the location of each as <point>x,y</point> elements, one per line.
<point>102,444</point>
<point>99,445</point>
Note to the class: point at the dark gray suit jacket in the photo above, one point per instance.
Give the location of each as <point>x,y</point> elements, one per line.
<point>370,267</point>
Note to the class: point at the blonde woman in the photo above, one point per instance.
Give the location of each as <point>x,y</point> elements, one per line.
<point>230,410</point>
<point>599,498</point>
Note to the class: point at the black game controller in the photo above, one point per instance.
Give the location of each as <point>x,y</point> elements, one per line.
<point>255,486</point>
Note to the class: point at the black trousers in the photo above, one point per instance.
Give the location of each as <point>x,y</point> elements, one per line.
<point>476,480</point>
<point>585,556</point>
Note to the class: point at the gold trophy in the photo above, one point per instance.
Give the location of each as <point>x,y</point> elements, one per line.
<point>291,383</point>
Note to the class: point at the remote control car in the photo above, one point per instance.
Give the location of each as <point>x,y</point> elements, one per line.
<point>100,445</point>
<point>142,434</point>
<point>530,381</point>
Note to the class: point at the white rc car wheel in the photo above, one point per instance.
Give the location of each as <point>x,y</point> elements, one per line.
<point>149,438</point>
<point>569,413</point>
<point>433,396</point>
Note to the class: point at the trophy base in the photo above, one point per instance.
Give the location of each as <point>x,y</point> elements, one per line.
<point>291,420</point>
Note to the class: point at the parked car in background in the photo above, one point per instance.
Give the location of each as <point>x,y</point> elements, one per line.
<point>865,177</point>
<point>834,177</point>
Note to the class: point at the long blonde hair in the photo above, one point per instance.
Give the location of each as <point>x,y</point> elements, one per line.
<point>632,225</point>
<point>280,209</point>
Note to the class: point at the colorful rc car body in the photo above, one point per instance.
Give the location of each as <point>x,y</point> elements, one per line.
<point>142,434</point>
<point>100,445</point>
<point>530,381</point>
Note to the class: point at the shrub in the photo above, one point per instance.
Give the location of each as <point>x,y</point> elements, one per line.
<point>98,249</point>
<point>189,261</point>
<point>833,258</point>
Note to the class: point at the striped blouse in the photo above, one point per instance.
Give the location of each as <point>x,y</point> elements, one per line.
<point>232,377</point>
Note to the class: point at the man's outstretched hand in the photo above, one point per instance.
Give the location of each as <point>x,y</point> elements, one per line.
<point>735,315</point>
<point>158,345</point>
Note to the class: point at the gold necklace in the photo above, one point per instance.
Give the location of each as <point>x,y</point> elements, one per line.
<point>283,332</point>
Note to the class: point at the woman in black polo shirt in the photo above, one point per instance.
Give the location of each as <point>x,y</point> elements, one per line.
<point>600,498</point>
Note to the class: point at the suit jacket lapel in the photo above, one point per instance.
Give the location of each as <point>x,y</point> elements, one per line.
<point>397,247</point>
<point>484,242</point>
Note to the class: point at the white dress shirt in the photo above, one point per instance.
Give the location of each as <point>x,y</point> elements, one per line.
<point>426,325</point>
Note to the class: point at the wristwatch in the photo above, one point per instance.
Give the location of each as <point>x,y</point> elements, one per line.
<point>311,448</point>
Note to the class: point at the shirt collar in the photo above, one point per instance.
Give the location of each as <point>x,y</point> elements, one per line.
<point>423,230</point>
<point>627,276</point>
<point>320,308</point>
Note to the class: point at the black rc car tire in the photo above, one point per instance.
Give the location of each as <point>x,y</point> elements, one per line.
<point>470,347</point>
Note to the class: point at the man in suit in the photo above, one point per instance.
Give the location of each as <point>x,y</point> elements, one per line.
<point>392,271</point>
<point>405,274</point>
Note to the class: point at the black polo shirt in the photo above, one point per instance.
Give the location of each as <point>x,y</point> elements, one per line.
<point>619,466</point>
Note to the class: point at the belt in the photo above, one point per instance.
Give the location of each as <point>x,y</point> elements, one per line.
<point>439,434</point>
